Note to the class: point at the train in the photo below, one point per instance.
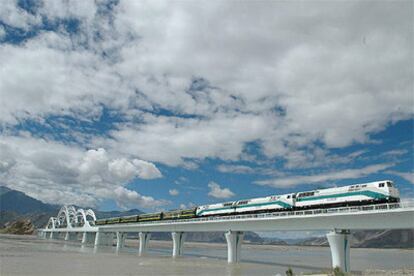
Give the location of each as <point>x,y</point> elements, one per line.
<point>353,195</point>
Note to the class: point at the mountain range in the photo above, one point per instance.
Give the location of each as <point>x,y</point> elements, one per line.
<point>15,206</point>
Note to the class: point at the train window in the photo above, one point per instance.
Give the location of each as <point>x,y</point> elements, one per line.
<point>228,204</point>
<point>293,196</point>
<point>288,196</point>
<point>242,202</point>
<point>305,194</point>
<point>381,185</point>
<point>364,186</point>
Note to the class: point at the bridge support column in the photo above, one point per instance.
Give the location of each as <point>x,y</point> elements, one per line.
<point>87,237</point>
<point>102,238</point>
<point>144,238</point>
<point>99,238</point>
<point>70,236</point>
<point>340,249</point>
<point>53,235</point>
<point>234,242</point>
<point>120,239</point>
<point>108,239</point>
<point>178,242</point>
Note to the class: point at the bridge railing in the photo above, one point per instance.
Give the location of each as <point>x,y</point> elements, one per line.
<point>351,209</point>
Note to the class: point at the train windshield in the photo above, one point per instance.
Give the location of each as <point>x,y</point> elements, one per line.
<point>389,184</point>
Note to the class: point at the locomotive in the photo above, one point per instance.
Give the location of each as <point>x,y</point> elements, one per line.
<point>352,195</point>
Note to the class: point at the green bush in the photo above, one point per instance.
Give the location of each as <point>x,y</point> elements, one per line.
<point>338,272</point>
<point>289,272</point>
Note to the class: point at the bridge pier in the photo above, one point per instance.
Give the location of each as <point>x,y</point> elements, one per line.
<point>87,237</point>
<point>340,249</point>
<point>98,238</point>
<point>53,235</point>
<point>120,239</point>
<point>102,238</point>
<point>234,242</point>
<point>41,234</point>
<point>144,238</point>
<point>109,239</point>
<point>70,236</point>
<point>178,242</point>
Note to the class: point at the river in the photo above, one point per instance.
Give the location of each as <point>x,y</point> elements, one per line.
<point>28,255</point>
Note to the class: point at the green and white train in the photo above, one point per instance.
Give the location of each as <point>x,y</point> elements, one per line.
<point>353,195</point>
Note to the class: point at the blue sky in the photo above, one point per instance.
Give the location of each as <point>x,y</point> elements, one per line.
<point>159,105</point>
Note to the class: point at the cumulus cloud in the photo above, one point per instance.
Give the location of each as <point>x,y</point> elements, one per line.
<point>129,199</point>
<point>64,174</point>
<point>12,15</point>
<point>409,176</point>
<point>290,181</point>
<point>234,169</point>
<point>187,206</point>
<point>171,140</point>
<point>173,192</point>
<point>282,81</point>
<point>218,192</point>
<point>2,32</point>
<point>304,79</point>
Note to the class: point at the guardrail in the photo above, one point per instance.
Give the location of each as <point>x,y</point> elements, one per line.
<point>351,209</point>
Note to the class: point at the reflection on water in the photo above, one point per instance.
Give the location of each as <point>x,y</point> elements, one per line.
<point>31,256</point>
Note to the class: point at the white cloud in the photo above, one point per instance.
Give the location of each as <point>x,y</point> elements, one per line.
<point>234,169</point>
<point>290,181</point>
<point>218,192</point>
<point>409,176</point>
<point>187,206</point>
<point>282,81</point>
<point>173,192</point>
<point>146,170</point>
<point>66,174</point>
<point>16,17</point>
<point>171,140</point>
<point>130,199</point>
<point>2,32</point>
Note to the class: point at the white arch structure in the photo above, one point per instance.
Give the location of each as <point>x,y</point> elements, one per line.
<point>72,218</point>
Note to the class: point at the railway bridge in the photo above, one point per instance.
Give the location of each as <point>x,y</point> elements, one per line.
<point>339,221</point>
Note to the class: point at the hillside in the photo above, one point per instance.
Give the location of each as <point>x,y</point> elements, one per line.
<point>19,203</point>
<point>17,206</point>
<point>19,227</point>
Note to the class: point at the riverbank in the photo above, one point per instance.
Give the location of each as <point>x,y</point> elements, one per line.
<point>28,255</point>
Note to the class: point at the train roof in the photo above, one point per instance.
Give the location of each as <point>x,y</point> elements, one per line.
<point>366,183</point>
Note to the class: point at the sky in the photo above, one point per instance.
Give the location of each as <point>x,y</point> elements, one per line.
<point>160,105</point>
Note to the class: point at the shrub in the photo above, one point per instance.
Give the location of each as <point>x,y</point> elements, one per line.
<point>289,272</point>
<point>338,271</point>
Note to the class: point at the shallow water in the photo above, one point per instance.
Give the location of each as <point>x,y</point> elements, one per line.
<point>27,255</point>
